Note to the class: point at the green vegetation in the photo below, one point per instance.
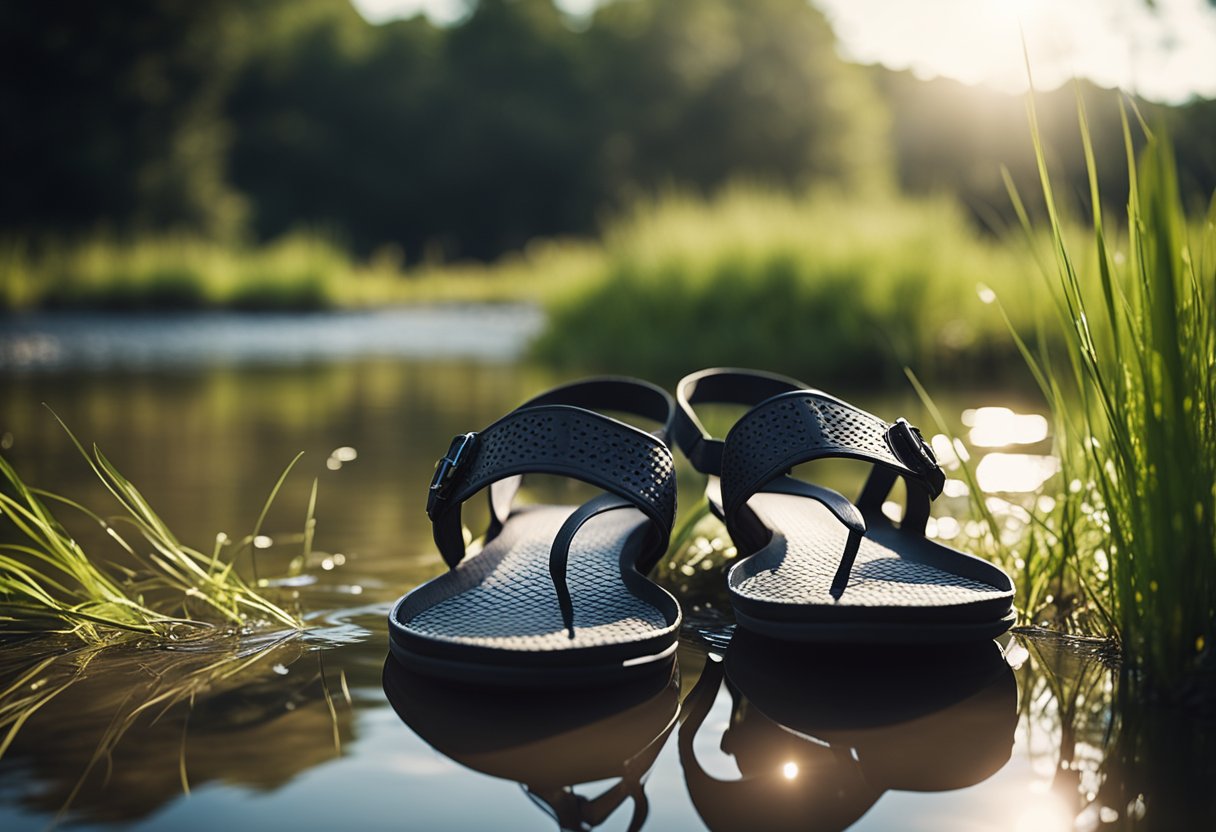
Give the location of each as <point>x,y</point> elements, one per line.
<point>299,272</point>
<point>824,287</point>
<point>1122,542</point>
<point>171,591</point>
<point>752,276</point>
<point>1135,410</point>
<point>220,118</point>
<point>217,117</point>
<point>302,271</point>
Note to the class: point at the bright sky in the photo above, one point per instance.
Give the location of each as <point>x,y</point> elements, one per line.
<point>1164,52</point>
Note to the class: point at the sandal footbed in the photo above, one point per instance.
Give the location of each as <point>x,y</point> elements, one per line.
<point>498,612</point>
<point>898,579</point>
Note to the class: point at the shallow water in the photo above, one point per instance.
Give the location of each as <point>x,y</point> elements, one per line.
<point>316,732</point>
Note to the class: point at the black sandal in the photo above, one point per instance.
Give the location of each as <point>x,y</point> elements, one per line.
<point>813,566</point>
<point>556,594</point>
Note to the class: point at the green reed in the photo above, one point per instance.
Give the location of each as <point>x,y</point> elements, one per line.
<point>1134,401</point>
<point>50,583</point>
<point>304,270</point>
<point>825,286</point>
<point>300,271</point>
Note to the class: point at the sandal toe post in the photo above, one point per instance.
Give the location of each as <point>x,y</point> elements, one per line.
<point>555,595</point>
<point>813,565</point>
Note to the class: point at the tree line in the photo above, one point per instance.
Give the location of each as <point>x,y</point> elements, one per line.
<point>231,118</point>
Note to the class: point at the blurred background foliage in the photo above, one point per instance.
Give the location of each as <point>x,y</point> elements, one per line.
<point>240,122</point>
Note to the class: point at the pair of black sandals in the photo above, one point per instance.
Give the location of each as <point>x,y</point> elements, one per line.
<point>558,595</point>
<point>827,595</point>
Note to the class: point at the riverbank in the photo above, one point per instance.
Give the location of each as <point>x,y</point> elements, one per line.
<point>822,285</point>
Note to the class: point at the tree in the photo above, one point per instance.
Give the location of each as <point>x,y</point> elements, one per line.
<point>113,113</point>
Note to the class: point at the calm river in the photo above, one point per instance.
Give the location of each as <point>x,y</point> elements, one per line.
<point>315,732</point>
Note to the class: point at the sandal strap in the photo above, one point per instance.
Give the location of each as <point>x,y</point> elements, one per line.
<point>803,425</point>
<point>554,434</point>
<point>720,385</point>
<point>630,395</point>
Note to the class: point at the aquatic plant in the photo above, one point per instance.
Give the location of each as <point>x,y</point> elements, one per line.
<point>170,591</point>
<point>1134,401</point>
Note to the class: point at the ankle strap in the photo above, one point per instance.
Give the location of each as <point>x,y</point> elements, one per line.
<point>720,385</point>
<point>622,393</point>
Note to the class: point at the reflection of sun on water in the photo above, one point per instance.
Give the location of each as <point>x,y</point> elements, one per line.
<point>1016,8</point>
<point>1014,473</point>
<point>999,473</point>
<point>1044,812</point>
<point>996,427</point>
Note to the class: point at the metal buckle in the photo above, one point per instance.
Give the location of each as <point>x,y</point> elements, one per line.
<point>910,448</point>
<point>447,468</point>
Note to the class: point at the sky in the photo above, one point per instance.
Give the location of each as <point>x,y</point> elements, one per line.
<point>1165,51</point>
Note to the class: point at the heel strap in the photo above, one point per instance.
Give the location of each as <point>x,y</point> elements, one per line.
<point>720,385</point>
<point>620,393</point>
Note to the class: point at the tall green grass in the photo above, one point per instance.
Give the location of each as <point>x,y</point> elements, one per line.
<point>170,591</point>
<point>825,286</point>
<point>1133,395</point>
<point>301,272</point>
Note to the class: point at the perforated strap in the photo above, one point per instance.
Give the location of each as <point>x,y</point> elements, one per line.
<point>631,395</point>
<point>620,393</point>
<point>804,425</point>
<point>720,385</point>
<point>556,439</point>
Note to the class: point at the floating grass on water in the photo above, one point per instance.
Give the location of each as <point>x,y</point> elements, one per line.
<point>49,583</point>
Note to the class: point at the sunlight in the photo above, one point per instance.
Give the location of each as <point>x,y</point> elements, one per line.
<point>789,771</point>
<point>1046,814</point>
<point>996,427</point>
<point>1018,9</point>
<point>1160,50</point>
<point>1015,473</point>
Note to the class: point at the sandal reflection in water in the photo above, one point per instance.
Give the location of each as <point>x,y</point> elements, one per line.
<point>547,741</point>
<point>820,732</point>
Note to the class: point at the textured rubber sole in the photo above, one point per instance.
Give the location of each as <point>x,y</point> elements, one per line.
<point>496,617</point>
<point>512,676</point>
<point>876,633</point>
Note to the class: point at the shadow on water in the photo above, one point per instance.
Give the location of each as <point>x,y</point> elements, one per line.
<point>818,733</point>
<point>548,741</point>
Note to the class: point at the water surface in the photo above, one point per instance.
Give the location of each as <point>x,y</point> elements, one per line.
<point>317,732</point>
